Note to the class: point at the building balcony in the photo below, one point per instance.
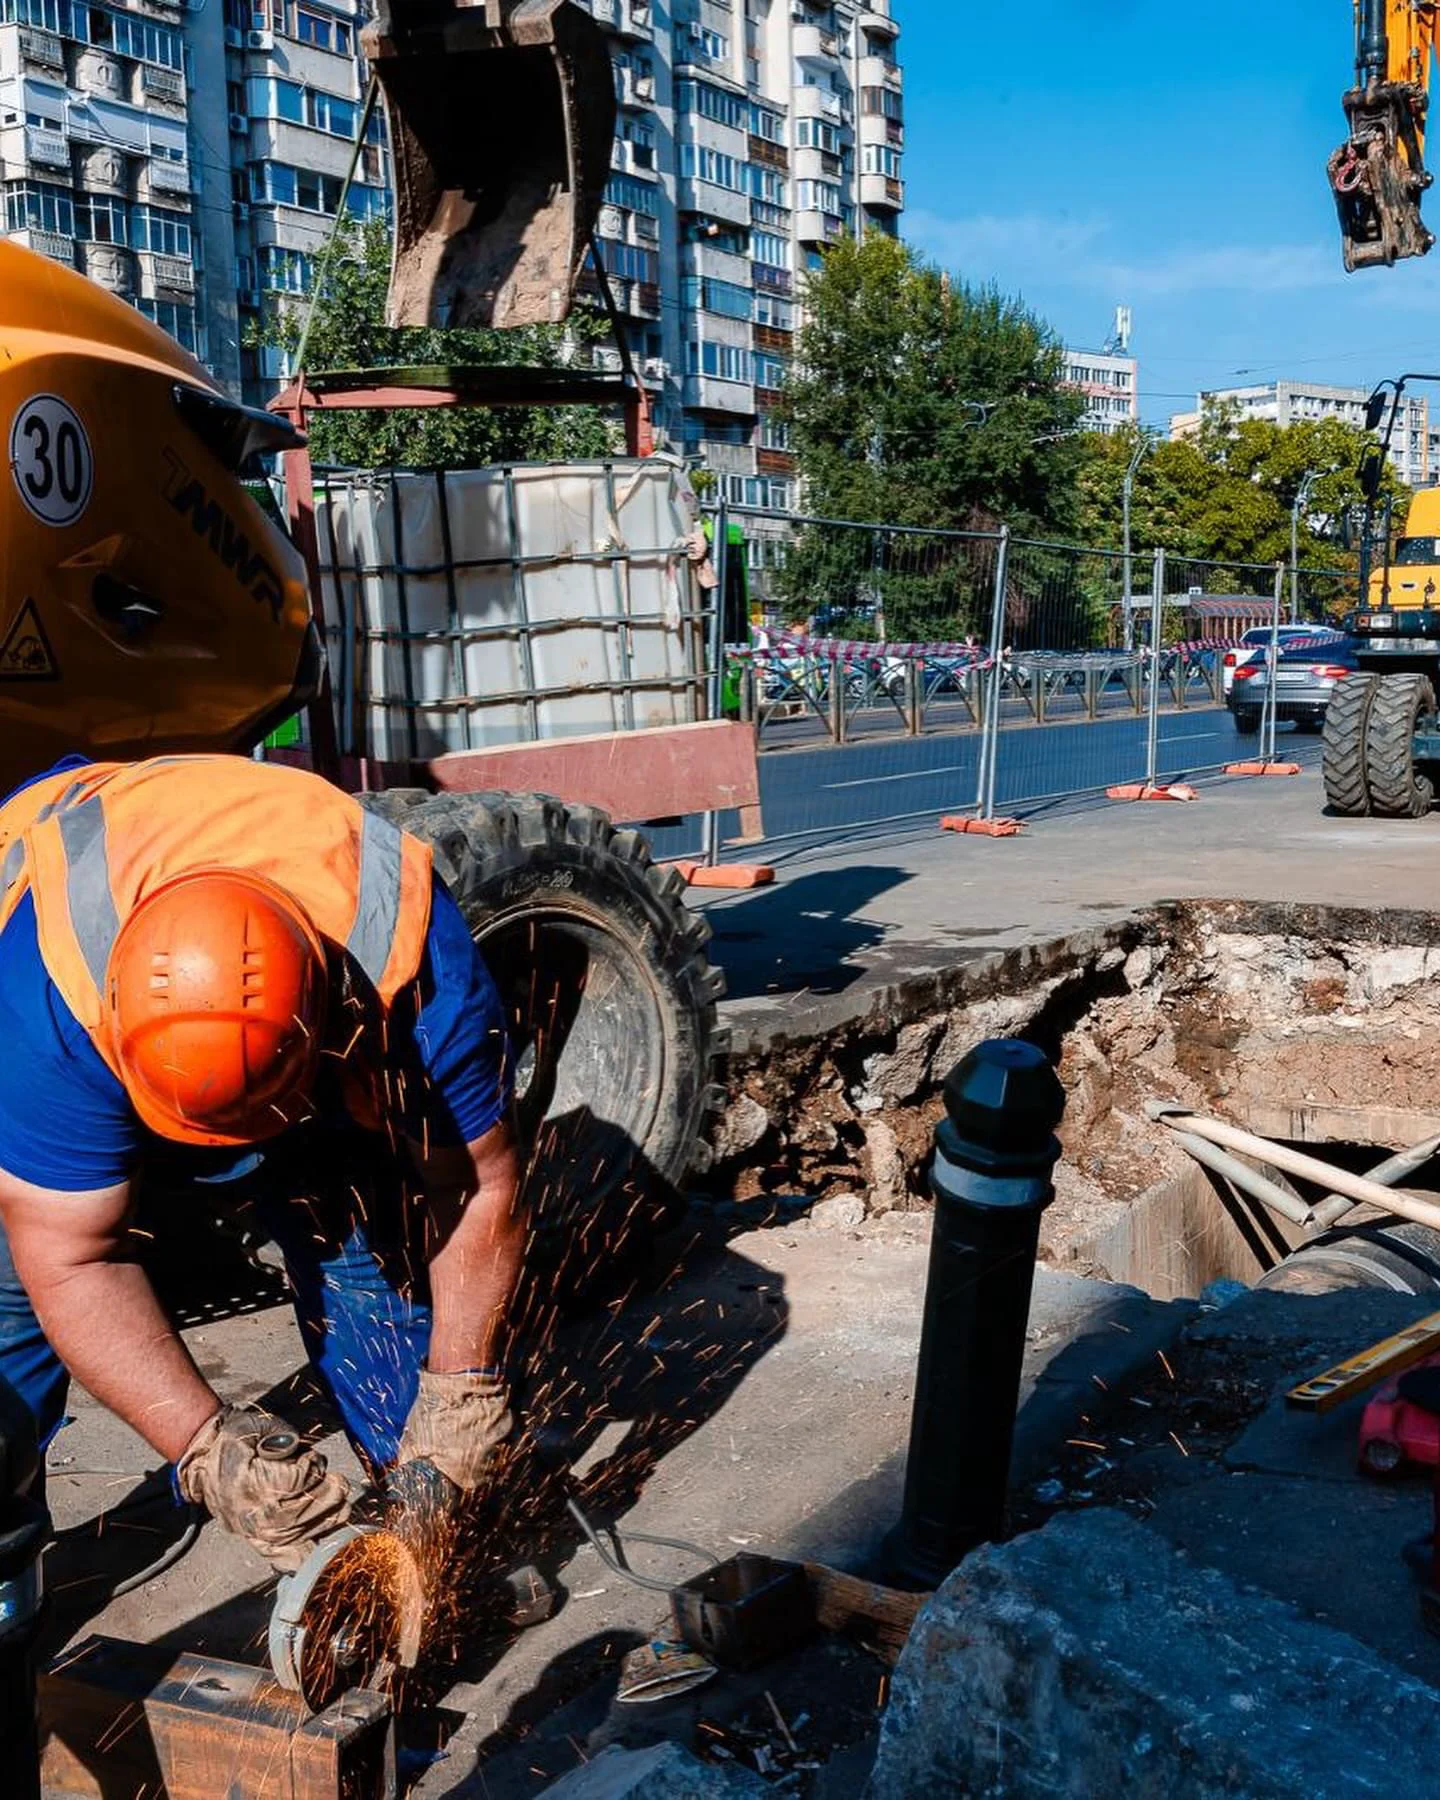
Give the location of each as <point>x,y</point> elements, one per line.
<point>712,202</point>
<point>812,44</point>
<point>700,258</point>
<point>875,128</point>
<point>770,156</point>
<point>818,165</point>
<point>47,149</point>
<point>42,50</point>
<point>818,227</point>
<point>881,71</point>
<point>875,20</point>
<point>634,91</point>
<point>774,281</point>
<point>162,277</point>
<point>167,86</point>
<point>54,244</point>
<point>882,192</point>
<point>819,103</point>
<point>626,18</point>
<point>774,462</point>
<point>707,393</point>
<point>771,337</point>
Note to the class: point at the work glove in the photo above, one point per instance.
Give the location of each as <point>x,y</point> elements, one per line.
<point>457,1424</point>
<point>256,1476</point>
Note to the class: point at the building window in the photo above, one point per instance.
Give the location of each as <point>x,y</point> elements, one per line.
<point>178,320</point>
<point>774,434</point>
<point>699,161</point>
<point>712,103</point>
<point>126,34</point>
<point>726,362</point>
<point>882,102</point>
<point>284,271</point>
<point>726,299</point>
<point>39,206</point>
<point>818,196</point>
<point>322,30</point>
<point>765,185</point>
<point>632,195</point>
<point>880,159</point>
<point>155,229</point>
<point>817,134</point>
<point>768,125</point>
<point>769,248</point>
<point>771,310</point>
<point>629,262</point>
<point>100,219</point>
<point>769,370</point>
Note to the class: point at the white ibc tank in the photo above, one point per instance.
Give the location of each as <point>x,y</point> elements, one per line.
<point>502,605</point>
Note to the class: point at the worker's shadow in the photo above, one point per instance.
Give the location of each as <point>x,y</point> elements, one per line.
<point>800,935</point>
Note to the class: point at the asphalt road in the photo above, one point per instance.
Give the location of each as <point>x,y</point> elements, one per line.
<point>829,789</point>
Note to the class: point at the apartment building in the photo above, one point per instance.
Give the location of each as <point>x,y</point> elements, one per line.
<point>1110,383</point>
<point>97,160</point>
<point>1289,402</point>
<point>749,137</point>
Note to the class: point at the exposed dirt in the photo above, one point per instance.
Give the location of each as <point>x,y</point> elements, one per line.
<point>1228,1007</point>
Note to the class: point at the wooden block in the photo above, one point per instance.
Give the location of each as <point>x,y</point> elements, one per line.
<point>846,1603</point>
<point>118,1718</point>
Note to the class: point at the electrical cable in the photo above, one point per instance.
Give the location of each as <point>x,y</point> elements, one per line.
<point>617,1567</point>
<point>167,1558</point>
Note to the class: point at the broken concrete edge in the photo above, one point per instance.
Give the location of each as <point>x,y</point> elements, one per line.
<point>880,1007</point>
<point>1091,1657</point>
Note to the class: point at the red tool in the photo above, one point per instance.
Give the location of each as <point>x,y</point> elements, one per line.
<point>1396,1430</point>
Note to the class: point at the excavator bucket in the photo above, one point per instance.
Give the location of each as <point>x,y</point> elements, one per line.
<point>502,115</point>
<point>1378,174</point>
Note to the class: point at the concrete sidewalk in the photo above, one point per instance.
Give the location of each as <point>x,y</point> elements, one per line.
<point>867,911</point>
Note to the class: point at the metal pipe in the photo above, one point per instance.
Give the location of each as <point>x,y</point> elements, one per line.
<point>1295,1162</point>
<point>1372,59</point>
<point>1389,1173</point>
<point>715,686</point>
<point>1272,657</point>
<point>1157,631</point>
<point>1248,1180</point>
<point>995,1154</point>
<point>990,743</point>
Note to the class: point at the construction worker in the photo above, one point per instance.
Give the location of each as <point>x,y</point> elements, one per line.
<point>230,975</point>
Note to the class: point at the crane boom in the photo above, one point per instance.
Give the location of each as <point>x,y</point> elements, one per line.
<point>1378,174</point>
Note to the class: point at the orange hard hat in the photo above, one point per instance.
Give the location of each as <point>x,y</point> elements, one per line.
<point>216,989</point>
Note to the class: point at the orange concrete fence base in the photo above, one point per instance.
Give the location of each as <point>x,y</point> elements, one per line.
<point>981,827</point>
<point>725,875</point>
<point>1262,768</point>
<point>1141,790</point>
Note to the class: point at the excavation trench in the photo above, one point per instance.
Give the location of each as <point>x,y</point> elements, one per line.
<point>1311,1025</point>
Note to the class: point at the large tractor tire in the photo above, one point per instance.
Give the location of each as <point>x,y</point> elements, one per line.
<point>610,1001</point>
<point>1344,754</point>
<point>1397,788</point>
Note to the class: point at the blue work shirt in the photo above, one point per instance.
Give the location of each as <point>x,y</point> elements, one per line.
<point>66,1122</point>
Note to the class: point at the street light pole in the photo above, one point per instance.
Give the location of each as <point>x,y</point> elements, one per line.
<point>1302,498</point>
<point>1127,491</point>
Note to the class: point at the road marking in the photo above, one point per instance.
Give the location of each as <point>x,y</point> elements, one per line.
<point>912,775</point>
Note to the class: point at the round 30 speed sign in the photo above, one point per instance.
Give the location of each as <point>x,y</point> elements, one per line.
<point>51,460</point>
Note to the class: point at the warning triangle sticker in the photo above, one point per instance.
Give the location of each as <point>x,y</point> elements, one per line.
<point>25,653</point>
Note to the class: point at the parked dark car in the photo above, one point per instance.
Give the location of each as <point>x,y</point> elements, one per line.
<point>1305,679</point>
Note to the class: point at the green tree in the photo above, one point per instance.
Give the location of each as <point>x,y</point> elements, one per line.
<point>349,332</point>
<point>1225,494</point>
<point>920,402</point>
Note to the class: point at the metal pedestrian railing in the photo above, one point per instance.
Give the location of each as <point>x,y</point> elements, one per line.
<point>1016,670</point>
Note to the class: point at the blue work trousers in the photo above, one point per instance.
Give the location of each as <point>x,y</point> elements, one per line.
<point>338,1210</point>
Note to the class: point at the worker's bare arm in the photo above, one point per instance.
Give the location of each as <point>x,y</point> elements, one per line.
<point>476,1248</point>
<point>99,1312</point>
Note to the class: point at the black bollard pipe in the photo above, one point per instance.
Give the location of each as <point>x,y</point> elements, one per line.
<point>995,1153</point>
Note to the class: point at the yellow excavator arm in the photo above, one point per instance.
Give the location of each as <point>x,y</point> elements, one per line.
<point>1378,174</point>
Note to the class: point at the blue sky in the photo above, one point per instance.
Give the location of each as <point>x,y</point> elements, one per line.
<point>1089,152</point>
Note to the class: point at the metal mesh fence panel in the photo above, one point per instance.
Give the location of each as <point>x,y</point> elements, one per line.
<point>869,631</point>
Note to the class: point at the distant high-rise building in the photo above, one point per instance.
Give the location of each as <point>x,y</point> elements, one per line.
<point>1110,382</point>
<point>748,139</point>
<point>1289,402</point>
<point>97,158</point>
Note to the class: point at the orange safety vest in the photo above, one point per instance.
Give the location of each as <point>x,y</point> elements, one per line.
<point>90,844</point>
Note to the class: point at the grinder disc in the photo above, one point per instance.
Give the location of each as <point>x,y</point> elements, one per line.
<point>350,1616</point>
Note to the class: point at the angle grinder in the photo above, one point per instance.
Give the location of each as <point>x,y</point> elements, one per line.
<point>350,1616</point>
